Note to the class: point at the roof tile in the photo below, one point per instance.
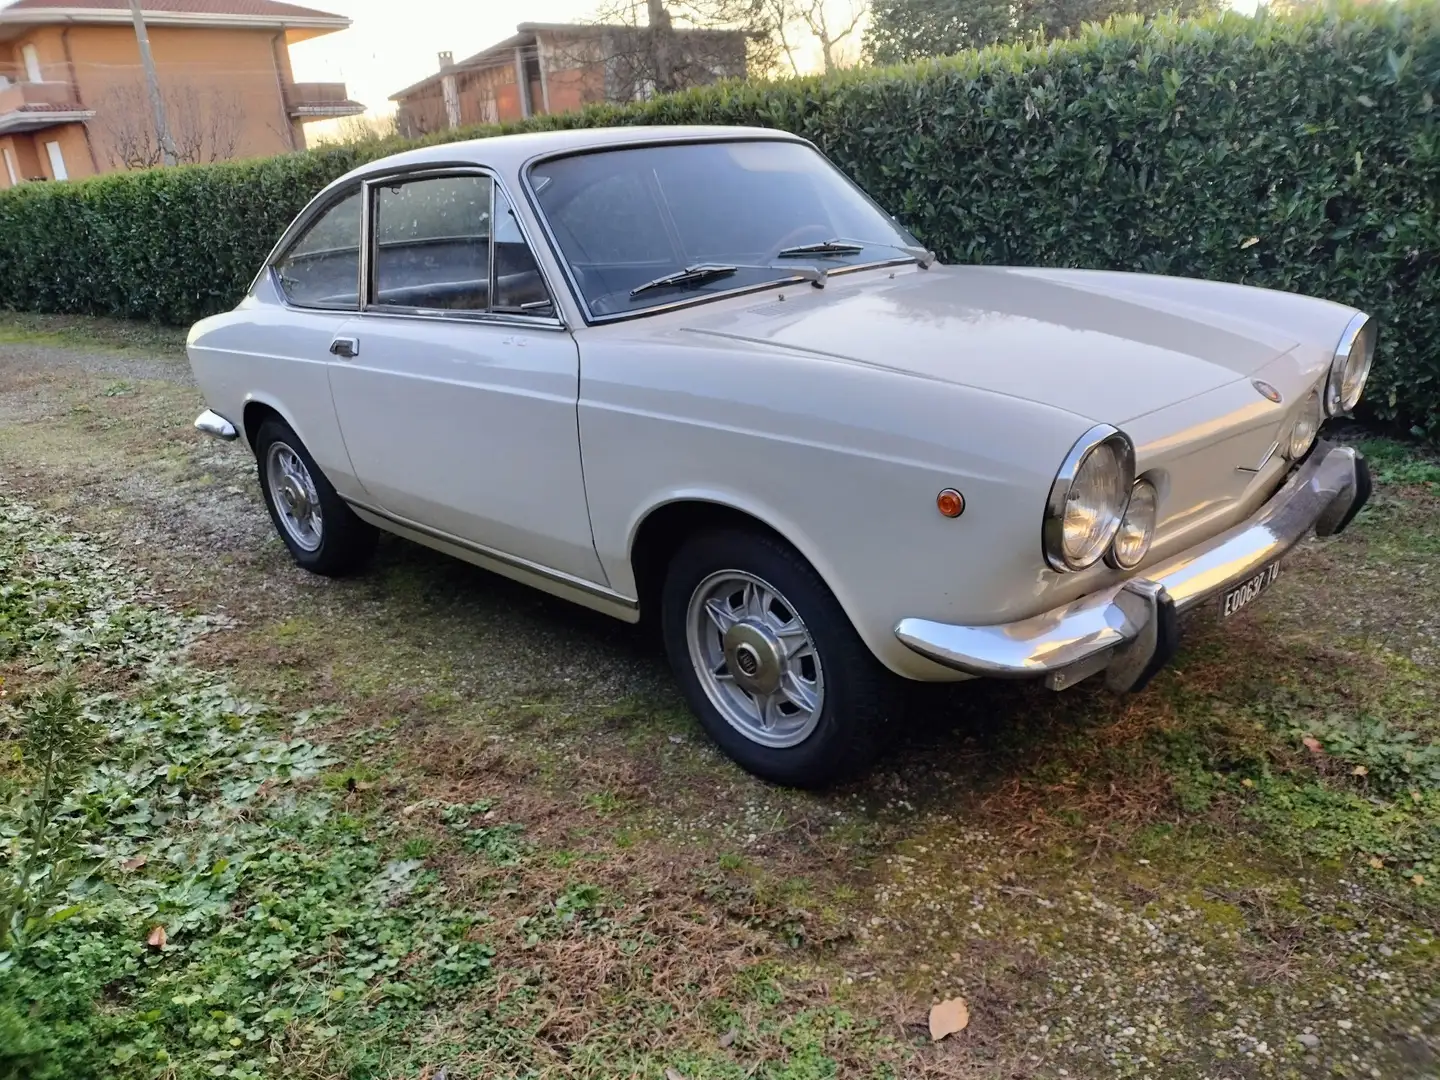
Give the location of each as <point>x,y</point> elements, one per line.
<point>259,8</point>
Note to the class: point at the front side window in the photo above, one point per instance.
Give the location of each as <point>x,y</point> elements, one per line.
<point>432,243</point>
<point>518,284</point>
<point>322,268</point>
<point>714,216</point>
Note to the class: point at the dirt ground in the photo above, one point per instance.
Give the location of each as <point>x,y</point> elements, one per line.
<point>1176,884</point>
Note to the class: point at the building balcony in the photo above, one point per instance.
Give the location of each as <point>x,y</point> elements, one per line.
<point>320,101</point>
<point>30,106</point>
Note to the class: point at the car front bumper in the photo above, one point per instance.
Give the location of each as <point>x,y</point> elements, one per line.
<point>1130,630</point>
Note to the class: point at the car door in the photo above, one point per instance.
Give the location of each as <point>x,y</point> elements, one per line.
<point>458,401</point>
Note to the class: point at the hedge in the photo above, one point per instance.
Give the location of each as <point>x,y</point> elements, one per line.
<point>1299,153</point>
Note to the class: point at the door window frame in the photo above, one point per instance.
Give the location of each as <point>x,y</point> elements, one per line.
<point>548,319</point>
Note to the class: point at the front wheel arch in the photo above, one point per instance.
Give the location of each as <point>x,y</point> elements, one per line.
<point>666,528</point>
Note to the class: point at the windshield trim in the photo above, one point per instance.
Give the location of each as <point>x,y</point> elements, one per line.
<point>583,306</point>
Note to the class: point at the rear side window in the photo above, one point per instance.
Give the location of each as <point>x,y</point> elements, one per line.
<point>322,268</point>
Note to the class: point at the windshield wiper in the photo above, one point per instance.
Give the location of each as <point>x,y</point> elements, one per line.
<point>841,245</point>
<point>691,275</point>
<point>825,247</point>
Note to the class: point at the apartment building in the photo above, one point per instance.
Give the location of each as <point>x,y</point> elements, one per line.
<point>74,102</point>
<point>560,67</point>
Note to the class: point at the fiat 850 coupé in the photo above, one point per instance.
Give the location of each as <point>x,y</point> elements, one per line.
<point>697,373</point>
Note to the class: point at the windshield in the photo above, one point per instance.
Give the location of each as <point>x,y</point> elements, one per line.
<point>714,216</point>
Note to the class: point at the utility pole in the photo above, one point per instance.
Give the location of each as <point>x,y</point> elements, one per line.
<point>661,45</point>
<point>152,82</point>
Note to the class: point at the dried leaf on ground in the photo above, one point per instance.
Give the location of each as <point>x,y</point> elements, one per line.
<point>133,864</point>
<point>156,940</point>
<point>1313,744</point>
<point>671,1074</point>
<point>948,1017</point>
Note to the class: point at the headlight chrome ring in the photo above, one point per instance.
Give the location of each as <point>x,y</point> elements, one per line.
<point>1137,527</point>
<point>1350,367</point>
<point>1088,499</point>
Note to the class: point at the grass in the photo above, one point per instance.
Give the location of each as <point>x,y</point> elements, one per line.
<point>83,331</point>
<point>430,759</point>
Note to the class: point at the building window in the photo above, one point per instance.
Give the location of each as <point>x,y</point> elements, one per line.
<point>32,64</point>
<point>57,161</point>
<point>10,168</point>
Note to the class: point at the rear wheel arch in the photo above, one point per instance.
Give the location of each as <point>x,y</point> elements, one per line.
<point>255,414</point>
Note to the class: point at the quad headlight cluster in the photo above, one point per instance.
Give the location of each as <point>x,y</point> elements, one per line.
<point>1097,509</point>
<point>1345,382</point>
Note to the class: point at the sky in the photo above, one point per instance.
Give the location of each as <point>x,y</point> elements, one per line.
<point>392,44</point>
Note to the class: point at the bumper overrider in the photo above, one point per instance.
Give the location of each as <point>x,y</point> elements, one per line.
<point>212,423</point>
<point>1130,630</point>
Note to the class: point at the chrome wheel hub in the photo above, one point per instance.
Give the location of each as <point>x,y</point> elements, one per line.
<point>755,658</point>
<point>297,503</point>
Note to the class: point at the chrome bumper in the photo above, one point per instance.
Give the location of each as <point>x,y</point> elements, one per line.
<point>212,423</point>
<point>1130,630</point>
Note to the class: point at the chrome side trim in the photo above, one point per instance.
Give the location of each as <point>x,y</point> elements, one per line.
<point>555,582</point>
<point>1321,494</point>
<point>1052,526</point>
<point>478,318</point>
<point>212,423</point>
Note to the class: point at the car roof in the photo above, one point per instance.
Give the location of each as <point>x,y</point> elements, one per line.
<point>508,153</point>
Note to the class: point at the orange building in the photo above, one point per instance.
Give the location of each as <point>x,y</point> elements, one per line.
<point>560,67</point>
<point>74,101</point>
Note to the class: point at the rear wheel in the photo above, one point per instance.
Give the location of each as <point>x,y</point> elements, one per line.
<point>323,534</point>
<point>769,661</point>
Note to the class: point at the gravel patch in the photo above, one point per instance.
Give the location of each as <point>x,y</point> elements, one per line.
<point>24,357</point>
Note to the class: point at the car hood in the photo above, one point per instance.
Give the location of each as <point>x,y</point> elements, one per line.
<point>1106,346</point>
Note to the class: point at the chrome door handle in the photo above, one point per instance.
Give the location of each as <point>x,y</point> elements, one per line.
<point>347,347</point>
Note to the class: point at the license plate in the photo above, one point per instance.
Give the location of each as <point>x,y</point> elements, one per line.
<point>1248,590</point>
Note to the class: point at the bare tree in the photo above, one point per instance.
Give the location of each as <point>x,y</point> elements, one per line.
<point>658,46</point>
<point>361,129</point>
<point>828,22</point>
<point>831,35</point>
<point>205,125</point>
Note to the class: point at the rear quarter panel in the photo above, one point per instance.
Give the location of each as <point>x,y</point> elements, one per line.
<point>265,352</point>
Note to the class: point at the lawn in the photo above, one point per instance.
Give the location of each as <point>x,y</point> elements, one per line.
<point>427,822</point>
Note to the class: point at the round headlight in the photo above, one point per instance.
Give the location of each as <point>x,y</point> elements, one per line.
<point>1137,527</point>
<point>1307,426</point>
<point>1088,499</point>
<point>1351,366</point>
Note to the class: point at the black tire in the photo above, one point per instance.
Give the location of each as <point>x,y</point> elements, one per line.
<point>861,699</point>
<point>346,543</point>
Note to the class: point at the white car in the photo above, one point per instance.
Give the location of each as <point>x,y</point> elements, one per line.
<point>696,373</point>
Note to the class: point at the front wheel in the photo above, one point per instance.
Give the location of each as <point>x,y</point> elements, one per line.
<point>323,534</point>
<point>770,663</point>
